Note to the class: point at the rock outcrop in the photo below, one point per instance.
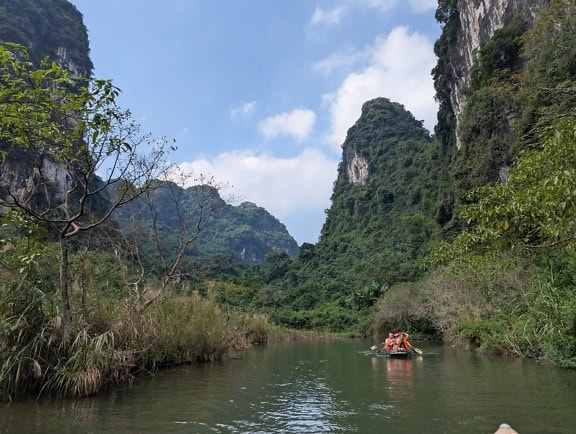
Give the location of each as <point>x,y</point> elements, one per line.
<point>475,23</point>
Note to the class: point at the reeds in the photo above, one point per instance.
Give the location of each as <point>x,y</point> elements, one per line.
<point>84,371</point>
<point>113,340</point>
<point>190,329</point>
<point>27,332</point>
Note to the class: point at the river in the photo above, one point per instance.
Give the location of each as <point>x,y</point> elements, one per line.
<point>327,386</point>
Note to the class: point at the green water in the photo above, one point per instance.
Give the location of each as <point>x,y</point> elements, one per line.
<point>322,387</point>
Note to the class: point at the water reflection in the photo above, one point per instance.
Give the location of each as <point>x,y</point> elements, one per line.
<point>303,404</point>
<point>399,371</point>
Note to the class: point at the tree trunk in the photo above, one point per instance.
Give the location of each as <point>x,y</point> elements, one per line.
<point>67,313</point>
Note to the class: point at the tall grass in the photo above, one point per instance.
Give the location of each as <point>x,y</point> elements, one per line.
<point>87,367</point>
<point>114,339</point>
<point>547,327</point>
<point>28,333</point>
<point>189,329</point>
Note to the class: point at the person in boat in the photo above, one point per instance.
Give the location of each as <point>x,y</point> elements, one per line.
<point>401,342</point>
<point>388,344</point>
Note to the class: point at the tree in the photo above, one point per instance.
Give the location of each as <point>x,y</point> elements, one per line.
<point>191,211</point>
<point>534,208</point>
<point>69,156</point>
<point>549,78</point>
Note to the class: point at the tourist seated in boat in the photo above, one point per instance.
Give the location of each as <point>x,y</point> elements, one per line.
<point>401,342</point>
<point>388,344</point>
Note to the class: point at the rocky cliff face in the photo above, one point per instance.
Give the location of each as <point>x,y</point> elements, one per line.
<point>476,22</point>
<point>53,29</point>
<point>356,168</point>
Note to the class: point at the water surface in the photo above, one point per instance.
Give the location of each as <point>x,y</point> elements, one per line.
<point>322,387</point>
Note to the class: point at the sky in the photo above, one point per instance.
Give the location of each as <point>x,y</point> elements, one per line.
<point>259,94</point>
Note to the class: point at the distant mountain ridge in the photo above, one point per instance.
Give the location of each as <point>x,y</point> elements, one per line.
<point>245,233</point>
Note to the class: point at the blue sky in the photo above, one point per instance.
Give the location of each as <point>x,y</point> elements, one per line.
<point>259,94</point>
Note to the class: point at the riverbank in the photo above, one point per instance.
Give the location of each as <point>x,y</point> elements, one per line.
<point>113,340</point>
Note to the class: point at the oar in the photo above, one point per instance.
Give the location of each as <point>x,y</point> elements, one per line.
<point>417,350</point>
<point>374,347</point>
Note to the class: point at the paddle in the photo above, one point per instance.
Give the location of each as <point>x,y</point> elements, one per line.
<point>373,347</point>
<point>417,351</point>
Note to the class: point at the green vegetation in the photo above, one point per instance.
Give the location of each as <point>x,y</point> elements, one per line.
<point>113,338</point>
<point>530,218</point>
<point>475,245</point>
<point>243,233</point>
<point>375,232</point>
<point>71,326</point>
<point>504,282</point>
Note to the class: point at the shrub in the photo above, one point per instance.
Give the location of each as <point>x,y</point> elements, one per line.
<point>489,336</point>
<point>257,329</point>
<point>401,308</point>
<point>189,329</point>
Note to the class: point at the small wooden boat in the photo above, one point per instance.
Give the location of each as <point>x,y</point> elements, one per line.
<point>399,354</point>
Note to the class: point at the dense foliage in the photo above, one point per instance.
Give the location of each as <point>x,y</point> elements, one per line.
<point>376,229</point>
<point>489,139</point>
<point>506,283</point>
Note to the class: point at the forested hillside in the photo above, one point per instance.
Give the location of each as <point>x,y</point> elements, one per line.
<point>243,233</point>
<point>498,188</point>
<point>386,215</point>
<point>505,284</point>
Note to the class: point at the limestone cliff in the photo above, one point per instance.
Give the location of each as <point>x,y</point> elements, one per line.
<point>52,28</point>
<point>468,25</point>
<point>385,197</point>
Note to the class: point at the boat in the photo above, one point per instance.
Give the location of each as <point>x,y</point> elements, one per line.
<point>397,346</point>
<point>398,354</point>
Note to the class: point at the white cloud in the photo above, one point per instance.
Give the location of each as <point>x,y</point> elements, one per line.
<point>344,58</point>
<point>423,5</point>
<point>399,69</point>
<point>381,4</point>
<point>288,188</point>
<point>415,5</point>
<point>245,109</point>
<point>332,17</point>
<point>297,123</point>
